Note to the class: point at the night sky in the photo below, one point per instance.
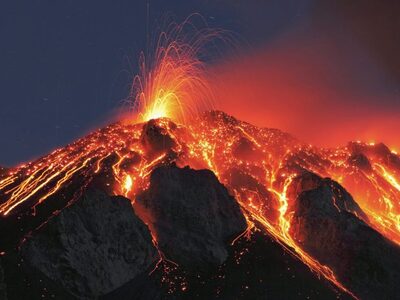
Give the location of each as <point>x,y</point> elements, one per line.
<point>66,66</point>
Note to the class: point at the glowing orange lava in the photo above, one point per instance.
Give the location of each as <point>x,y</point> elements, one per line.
<point>123,155</point>
<point>173,80</point>
<point>223,144</point>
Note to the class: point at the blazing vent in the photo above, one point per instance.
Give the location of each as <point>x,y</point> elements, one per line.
<point>178,200</point>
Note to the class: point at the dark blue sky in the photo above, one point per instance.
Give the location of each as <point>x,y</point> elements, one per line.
<point>67,65</point>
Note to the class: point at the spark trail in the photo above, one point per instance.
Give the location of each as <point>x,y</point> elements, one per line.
<point>267,161</point>
<point>258,165</point>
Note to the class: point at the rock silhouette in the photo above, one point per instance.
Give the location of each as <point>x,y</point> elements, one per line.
<point>328,223</point>
<point>192,215</point>
<point>173,238</point>
<point>92,247</point>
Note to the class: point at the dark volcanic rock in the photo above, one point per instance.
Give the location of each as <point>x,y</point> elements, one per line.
<point>155,137</point>
<point>304,182</point>
<point>245,149</point>
<point>244,184</point>
<point>192,215</point>
<point>92,247</point>
<point>378,151</point>
<point>360,161</point>
<point>340,198</point>
<point>256,268</point>
<point>3,288</point>
<point>326,225</point>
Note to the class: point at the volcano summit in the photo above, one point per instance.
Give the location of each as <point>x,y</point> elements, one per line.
<point>214,208</point>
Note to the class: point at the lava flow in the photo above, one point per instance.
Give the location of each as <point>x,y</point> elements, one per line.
<point>258,165</point>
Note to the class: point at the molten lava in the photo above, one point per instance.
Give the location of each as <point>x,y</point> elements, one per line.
<point>173,80</point>
<point>225,145</point>
<point>258,165</point>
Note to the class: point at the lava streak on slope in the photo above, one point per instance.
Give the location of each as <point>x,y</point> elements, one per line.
<point>257,165</point>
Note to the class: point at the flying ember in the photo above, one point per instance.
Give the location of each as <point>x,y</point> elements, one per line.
<point>173,79</point>
<point>172,124</point>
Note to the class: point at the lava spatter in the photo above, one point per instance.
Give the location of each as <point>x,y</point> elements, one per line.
<point>257,165</point>
<point>212,142</point>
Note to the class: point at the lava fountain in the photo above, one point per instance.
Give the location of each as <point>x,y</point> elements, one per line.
<point>169,97</point>
<point>173,80</point>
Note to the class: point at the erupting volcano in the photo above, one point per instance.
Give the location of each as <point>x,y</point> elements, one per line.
<point>336,211</point>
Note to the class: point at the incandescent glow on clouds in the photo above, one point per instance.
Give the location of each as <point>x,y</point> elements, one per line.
<point>319,88</point>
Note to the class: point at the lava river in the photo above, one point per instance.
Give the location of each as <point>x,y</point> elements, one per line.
<point>258,165</point>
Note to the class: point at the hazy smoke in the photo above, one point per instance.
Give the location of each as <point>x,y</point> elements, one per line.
<point>321,85</point>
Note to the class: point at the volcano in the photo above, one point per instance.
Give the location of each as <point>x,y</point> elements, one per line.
<point>214,208</point>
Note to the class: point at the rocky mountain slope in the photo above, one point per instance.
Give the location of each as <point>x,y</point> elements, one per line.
<point>215,209</point>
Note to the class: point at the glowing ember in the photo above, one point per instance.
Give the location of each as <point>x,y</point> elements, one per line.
<point>172,81</point>
<point>222,144</point>
<point>174,86</point>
